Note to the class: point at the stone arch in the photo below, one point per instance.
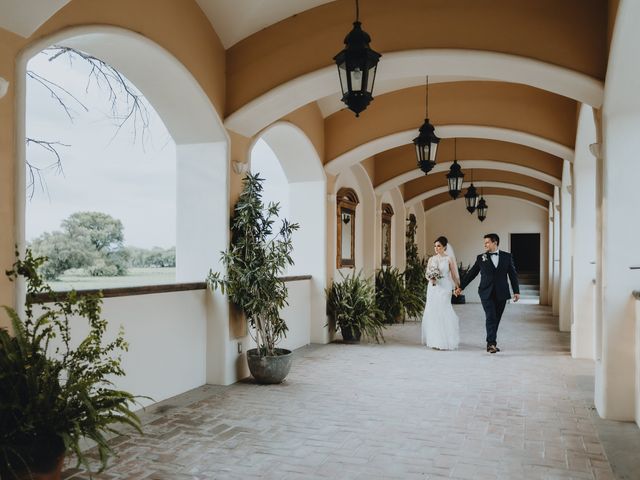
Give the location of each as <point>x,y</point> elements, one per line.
<point>202,147</point>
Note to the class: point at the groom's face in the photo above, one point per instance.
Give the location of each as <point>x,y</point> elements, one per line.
<point>490,246</point>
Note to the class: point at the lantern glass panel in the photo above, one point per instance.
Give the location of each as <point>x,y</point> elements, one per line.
<point>342,72</point>
<point>432,151</point>
<point>371,77</point>
<point>356,79</point>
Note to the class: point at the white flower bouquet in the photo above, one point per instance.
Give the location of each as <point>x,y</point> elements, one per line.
<point>433,273</point>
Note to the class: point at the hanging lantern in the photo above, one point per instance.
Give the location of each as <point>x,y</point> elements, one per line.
<point>455,177</point>
<point>426,142</point>
<point>471,198</point>
<point>482,209</point>
<point>357,64</point>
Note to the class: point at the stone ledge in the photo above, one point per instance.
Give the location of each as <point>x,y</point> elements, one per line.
<point>142,290</point>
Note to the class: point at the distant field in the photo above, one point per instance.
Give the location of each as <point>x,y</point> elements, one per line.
<point>135,278</point>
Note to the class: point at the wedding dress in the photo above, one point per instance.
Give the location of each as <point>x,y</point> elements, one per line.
<point>440,328</point>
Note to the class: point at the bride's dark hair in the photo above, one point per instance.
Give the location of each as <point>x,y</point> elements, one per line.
<point>442,241</point>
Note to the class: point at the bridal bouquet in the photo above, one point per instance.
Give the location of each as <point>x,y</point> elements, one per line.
<point>433,273</point>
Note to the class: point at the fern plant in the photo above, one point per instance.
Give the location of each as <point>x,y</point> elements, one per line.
<point>254,260</point>
<point>351,304</point>
<point>390,294</point>
<point>52,397</point>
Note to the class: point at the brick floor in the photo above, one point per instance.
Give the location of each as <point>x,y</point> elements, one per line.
<point>390,411</point>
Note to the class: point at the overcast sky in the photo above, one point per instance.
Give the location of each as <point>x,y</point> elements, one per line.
<point>121,175</point>
<point>116,175</point>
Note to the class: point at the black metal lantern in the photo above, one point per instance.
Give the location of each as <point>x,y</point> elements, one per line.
<point>471,198</point>
<point>357,64</point>
<point>482,209</point>
<point>455,177</point>
<point>426,142</point>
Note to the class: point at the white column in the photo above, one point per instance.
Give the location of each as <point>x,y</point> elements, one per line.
<point>550,255</point>
<point>584,239</point>
<point>565,249</point>
<point>557,220</point>
<point>377,242</point>
<point>307,205</point>
<point>615,372</point>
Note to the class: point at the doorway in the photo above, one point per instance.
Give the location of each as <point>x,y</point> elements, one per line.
<point>525,249</point>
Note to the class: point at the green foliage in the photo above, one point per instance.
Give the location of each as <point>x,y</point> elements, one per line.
<point>57,395</point>
<point>390,294</point>
<point>351,303</point>
<point>155,257</point>
<point>254,260</point>
<point>414,274</point>
<point>90,240</point>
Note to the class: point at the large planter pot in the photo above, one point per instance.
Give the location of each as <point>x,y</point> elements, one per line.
<point>351,334</point>
<point>269,369</point>
<point>47,460</point>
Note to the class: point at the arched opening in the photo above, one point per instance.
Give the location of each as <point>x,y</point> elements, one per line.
<point>301,184</point>
<point>196,349</point>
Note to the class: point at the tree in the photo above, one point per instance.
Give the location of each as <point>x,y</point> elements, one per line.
<point>91,240</point>
<point>63,252</point>
<point>103,231</point>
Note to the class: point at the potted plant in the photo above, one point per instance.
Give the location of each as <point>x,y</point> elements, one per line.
<point>254,260</point>
<point>390,294</point>
<point>351,304</point>
<point>52,397</point>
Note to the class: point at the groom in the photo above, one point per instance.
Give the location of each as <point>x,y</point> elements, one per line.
<point>494,266</point>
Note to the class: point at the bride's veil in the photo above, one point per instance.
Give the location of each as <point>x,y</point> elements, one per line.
<point>452,254</point>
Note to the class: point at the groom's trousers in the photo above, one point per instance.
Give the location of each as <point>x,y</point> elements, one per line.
<point>493,310</point>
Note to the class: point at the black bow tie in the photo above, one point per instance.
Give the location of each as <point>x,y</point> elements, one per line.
<point>494,253</point>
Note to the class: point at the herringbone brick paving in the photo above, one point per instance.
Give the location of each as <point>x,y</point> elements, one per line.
<point>391,411</point>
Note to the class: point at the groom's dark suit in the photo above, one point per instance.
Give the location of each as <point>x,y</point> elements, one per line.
<point>493,289</point>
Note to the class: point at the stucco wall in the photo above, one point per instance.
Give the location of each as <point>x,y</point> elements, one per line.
<point>465,232</point>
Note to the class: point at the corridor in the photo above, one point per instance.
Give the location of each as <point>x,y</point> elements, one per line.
<point>389,411</point>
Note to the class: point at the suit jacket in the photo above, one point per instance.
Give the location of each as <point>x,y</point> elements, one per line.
<point>492,278</point>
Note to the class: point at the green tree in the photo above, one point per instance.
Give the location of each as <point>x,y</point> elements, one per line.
<point>63,252</point>
<point>103,231</point>
<point>90,240</point>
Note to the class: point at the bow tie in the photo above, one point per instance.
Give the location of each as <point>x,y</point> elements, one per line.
<point>494,253</point>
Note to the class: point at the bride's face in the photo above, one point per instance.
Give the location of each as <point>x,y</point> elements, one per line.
<point>438,248</point>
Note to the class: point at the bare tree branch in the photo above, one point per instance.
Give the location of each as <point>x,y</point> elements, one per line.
<point>35,173</point>
<point>120,92</point>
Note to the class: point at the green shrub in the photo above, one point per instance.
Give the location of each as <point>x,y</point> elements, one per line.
<point>390,294</point>
<point>351,304</point>
<point>54,397</point>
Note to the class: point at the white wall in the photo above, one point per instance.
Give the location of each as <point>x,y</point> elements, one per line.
<point>167,335</point>
<point>466,232</point>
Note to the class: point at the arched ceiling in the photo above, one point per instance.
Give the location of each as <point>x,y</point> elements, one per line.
<point>507,77</point>
<point>442,198</point>
<point>397,166</point>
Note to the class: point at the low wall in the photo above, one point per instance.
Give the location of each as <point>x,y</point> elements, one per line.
<point>167,334</point>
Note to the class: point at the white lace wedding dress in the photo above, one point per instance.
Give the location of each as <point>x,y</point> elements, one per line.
<point>440,328</point>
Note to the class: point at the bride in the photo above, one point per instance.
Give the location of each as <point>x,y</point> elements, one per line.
<point>440,329</point>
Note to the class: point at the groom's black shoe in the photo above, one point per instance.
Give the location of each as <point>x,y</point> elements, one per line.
<point>492,349</point>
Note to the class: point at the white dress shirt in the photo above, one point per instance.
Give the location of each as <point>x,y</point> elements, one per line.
<point>495,258</point>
